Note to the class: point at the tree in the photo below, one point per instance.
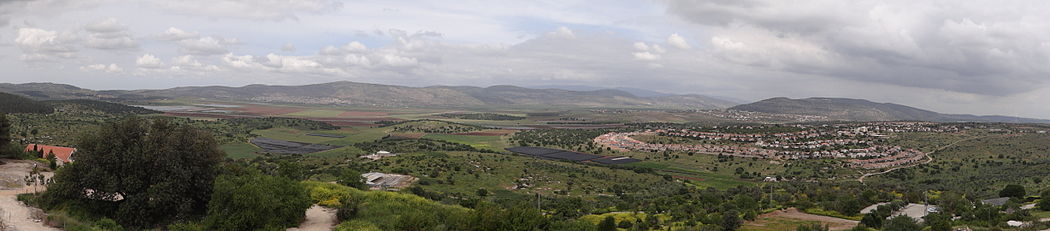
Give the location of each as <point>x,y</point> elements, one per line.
<point>5,131</point>
<point>255,201</point>
<point>350,178</point>
<point>872,220</point>
<point>1012,191</point>
<point>731,220</point>
<point>607,224</point>
<point>1044,201</point>
<point>901,223</point>
<point>938,221</point>
<point>152,171</point>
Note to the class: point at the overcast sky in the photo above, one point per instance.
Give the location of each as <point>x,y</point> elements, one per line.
<point>980,57</point>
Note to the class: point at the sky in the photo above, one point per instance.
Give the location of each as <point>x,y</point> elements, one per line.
<point>975,57</point>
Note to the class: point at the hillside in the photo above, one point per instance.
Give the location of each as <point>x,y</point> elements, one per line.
<point>364,94</point>
<point>864,110</point>
<point>10,103</point>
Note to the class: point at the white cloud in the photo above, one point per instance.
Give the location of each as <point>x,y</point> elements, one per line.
<point>205,46</point>
<point>110,35</point>
<point>678,41</point>
<point>645,55</point>
<point>43,45</point>
<point>288,47</point>
<point>641,46</point>
<point>148,61</point>
<point>562,32</point>
<point>111,68</point>
<point>176,34</point>
<point>253,10</point>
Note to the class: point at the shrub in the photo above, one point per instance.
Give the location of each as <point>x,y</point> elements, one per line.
<point>256,202</point>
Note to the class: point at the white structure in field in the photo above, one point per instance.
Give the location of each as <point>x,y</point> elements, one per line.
<point>378,155</point>
<point>385,181</point>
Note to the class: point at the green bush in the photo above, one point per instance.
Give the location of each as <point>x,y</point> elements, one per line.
<point>256,202</point>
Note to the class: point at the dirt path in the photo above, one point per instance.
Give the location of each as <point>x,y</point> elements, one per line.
<point>317,219</point>
<point>16,214</point>
<point>833,223</point>
<point>929,159</point>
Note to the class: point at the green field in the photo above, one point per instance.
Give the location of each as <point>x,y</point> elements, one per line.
<point>496,143</point>
<point>358,135</point>
<point>291,134</point>
<point>240,150</point>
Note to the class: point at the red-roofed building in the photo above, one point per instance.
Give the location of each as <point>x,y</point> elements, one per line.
<point>63,153</point>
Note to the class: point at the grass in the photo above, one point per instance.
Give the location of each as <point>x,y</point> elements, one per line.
<point>1040,214</point>
<point>240,150</point>
<point>291,134</point>
<point>348,152</point>
<point>358,135</point>
<point>480,142</point>
<point>320,113</point>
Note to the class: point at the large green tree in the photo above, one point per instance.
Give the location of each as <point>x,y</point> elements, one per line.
<point>1013,190</point>
<point>1044,200</point>
<point>254,201</point>
<point>141,172</point>
<point>901,223</point>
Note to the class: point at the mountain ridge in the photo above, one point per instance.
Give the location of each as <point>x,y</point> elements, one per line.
<point>864,110</point>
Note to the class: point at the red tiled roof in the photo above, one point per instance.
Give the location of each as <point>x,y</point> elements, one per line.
<point>63,153</point>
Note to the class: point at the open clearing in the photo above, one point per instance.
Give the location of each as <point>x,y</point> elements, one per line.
<point>791,218</point>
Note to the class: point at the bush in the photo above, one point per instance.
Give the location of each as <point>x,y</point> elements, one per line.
<point>256,202</point>
<point>1013,191</point>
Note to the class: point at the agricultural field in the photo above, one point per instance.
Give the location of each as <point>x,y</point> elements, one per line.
<point>497,143</point>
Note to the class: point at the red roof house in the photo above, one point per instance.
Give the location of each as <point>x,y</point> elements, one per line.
<point>63,153</point>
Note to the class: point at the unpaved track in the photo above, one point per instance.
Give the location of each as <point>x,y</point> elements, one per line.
<point>833,223</point>
<point>16,214</point>
<point>317,219</point>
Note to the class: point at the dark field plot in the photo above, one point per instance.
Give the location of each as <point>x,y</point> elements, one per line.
<point>615,160</point>
<point>289,147</point>
<point>326,135</point>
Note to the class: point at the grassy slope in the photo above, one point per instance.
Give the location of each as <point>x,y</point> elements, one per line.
<point>240,150</point>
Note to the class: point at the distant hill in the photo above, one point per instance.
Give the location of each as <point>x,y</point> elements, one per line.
<point>100,106</point>
<point>864,110</point>
<point>10,103</point>
<point>364,94</point>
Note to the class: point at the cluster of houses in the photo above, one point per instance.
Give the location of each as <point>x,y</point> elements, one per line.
<point>854,141</point>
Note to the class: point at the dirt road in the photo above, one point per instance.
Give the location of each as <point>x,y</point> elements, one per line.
<point>317,219</point>
<point>833,223</point>
<point>16,214</point>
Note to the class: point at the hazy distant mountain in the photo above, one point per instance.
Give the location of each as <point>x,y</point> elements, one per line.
<point>363,94</point>
<point>634,91</point>
<point>863,110</point>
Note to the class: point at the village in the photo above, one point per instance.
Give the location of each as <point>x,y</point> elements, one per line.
<point>857,142</point>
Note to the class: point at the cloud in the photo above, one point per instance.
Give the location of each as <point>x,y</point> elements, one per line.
<point>205,45</point>
<point>111,68</point>
<point>980,47</point>
<point>109,34</point>
<point>176,34</point>
<point>189,63</point>
<point>44,45</point>
<point>251,10</point>
<point>288,47</point>
<point>148,61</point>
<point>562,32</point>
<point>678,41</point>
<point>645,55</point>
